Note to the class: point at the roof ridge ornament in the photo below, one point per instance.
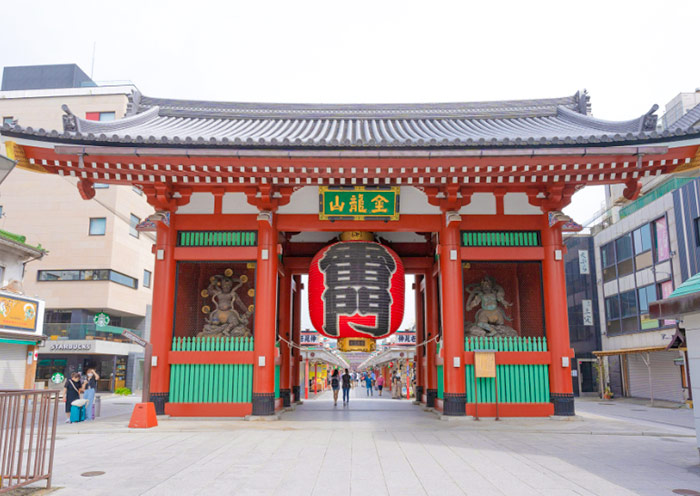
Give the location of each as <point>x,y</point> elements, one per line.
<point>70,120</point>
<point>649,119</point>
<point>583,102</point>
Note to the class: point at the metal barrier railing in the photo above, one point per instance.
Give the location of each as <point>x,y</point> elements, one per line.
<point>27,437</point>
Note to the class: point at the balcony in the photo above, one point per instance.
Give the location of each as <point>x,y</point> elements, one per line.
<point>56,331</point>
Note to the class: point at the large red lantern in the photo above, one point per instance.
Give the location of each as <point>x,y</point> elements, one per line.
<point>356,289</point>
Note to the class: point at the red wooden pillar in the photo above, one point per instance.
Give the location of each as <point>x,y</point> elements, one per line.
<point>296,339</point>
<point>557,320</point>
<point>432,325</point>
<point>285,331</point>
<point>420,338</point>
<point>162,314</point>
<point>452,298</point>
<point>265,316</point>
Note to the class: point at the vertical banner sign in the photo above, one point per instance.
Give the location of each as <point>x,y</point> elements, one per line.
<point>587,307</point>
<point>583,265</point>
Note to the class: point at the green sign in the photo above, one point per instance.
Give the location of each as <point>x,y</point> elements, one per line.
<point>101,319</point>
<point>57,378</point>
<point>358,203</point>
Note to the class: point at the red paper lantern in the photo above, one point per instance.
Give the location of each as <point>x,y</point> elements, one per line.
<point>356,289</point>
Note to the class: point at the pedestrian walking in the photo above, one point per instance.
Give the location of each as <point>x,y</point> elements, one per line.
<point>335,385</point>
<point>346,382</point>
<point>380,384</point>
<point>368,384</point>
<point>90,390</point>
<point>73,387</point>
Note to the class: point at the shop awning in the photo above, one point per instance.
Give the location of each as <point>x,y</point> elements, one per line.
<point>629,351</point>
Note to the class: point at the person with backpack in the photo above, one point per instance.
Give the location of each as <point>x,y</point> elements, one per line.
<point>347,382</point>
<point>335,385</point>
<point>73,388</point>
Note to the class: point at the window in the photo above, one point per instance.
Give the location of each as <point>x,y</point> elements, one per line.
<point>2,275</point>
<point>122,279</point>
<point>642,247</point>
<point>696,223</point>
<point>607,254</point>
<point>146,278</point>
<point>100,186</point>
<point>647,294</point>
<point>665,290</point>
<point>623,248</point>
<point>137,190</point>
<point>623,253</point>
<point>98,226</point>
<point>663,250</point>
<point>100,116</point>
<point>8,120</point>
<point>642,239</point>
<point>133,222</point>
<point>612,314</point>
<point>87,275</point>
<point>1,211</point>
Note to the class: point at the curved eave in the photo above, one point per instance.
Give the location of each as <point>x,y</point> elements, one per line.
<point>643,139</point>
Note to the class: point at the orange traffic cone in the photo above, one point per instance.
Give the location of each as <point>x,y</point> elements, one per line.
<point>144,416</point>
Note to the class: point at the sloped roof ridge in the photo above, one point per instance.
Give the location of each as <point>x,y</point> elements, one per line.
<point>487,109</point>
<point>690,119</point>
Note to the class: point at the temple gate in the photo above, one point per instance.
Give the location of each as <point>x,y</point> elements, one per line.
<point>246,194</point>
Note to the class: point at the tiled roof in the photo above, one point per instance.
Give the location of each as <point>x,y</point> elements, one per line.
<point>691,285</point>
<point>508,124</point>
<point>18,239</point>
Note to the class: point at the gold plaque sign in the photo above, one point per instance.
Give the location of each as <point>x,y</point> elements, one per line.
<point>485,364</point>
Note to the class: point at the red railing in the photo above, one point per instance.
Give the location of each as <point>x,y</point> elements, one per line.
<point>27,437</point>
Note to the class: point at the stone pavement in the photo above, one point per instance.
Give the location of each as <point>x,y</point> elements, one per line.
<point>378,446</point>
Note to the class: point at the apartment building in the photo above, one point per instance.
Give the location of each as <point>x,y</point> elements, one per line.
<point>98,262</point>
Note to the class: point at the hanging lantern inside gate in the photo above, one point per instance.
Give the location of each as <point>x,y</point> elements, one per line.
<point>356,289</point>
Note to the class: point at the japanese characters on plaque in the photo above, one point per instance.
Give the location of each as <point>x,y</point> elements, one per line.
<point>405,338</point>
<point>587,307</point>
<point>583,265</point>
<point>309,338</point>
<point>358,203</point>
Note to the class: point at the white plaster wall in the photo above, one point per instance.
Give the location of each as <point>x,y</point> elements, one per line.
<point>200,203</point>
<point>236,203</point>
<point>609,288</point>
<point>12,263</point>
<point>414,201</point>
<point>481,204</point>
<point>518,204</point>
<point>303,201</point>
<point>692,338</point>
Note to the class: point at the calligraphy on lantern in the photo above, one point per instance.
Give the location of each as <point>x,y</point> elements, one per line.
<point>358,203</point>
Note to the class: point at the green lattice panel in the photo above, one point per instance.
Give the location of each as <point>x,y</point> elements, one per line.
<point>211,383</point>
<point>217,238</point>
<point>516,383</point>
<point>500,238</point>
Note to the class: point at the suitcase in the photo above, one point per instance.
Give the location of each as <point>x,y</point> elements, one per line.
<point>77,413</point>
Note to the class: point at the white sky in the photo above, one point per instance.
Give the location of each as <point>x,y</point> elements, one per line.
<point>628,54</point>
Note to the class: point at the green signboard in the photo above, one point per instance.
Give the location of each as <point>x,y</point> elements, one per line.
<point>358,203</point>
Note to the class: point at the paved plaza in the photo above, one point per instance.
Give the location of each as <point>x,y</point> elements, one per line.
<point>381,446</point>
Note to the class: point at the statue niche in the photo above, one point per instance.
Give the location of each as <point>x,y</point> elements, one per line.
<point>229,317</point>
<point>490,319</point>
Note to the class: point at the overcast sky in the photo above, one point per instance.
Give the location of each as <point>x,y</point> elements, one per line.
<point>628,54</point>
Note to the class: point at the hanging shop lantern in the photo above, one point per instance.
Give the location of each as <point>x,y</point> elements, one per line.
<point>356,289</point>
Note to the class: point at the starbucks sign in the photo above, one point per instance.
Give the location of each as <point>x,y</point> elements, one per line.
<point>101,319</point>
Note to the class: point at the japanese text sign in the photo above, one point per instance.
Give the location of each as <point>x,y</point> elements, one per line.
<point>358,203</point>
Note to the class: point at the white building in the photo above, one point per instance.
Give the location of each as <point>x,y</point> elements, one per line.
<point>99,262</point>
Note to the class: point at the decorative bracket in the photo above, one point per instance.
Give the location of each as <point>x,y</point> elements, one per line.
<point>267,198</point>
<point>86,189</point>
<point>450,198</point>
<point>632,189</point>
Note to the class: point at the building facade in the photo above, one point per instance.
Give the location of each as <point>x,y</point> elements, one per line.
<point>21,317</point>
<point>100,263</point>
<point>582,304</point>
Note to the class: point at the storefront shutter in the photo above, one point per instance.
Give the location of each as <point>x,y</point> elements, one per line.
<point>665,376</point>
<point>13,360</point>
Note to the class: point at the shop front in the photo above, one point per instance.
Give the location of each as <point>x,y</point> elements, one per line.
<point>21,330</point>
<point>117,364</point>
